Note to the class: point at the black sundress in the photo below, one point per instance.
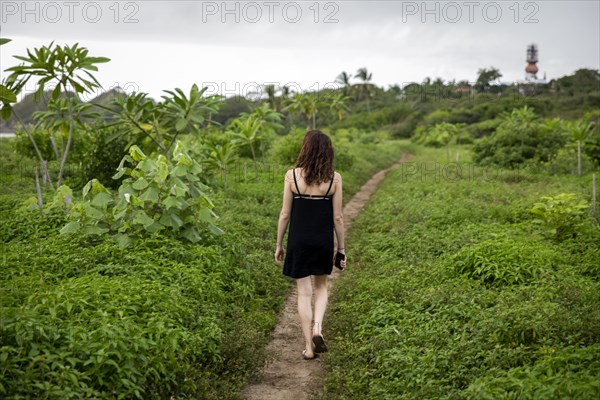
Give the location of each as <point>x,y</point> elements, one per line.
<point>310,237</point>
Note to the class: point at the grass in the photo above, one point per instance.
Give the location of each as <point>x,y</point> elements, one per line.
<point>82,318</point>
<point>411,318</point>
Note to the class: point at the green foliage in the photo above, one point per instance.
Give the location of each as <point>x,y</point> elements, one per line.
<point>102,156</point>
<point>520,138</point>
<point>437,135</point>
<point>569,373</point>
<point>158,195</point>
<point>483,128</point>
<point>504,261</point>
<point>65,66</point>
<point>485,77</point>
<point>287,148</point>
<point>253,129</point>
<point>179,320</point>
<point>160,124</point>
<point>582,81</point>
<point>376,119</point>
<point>405,325</point>
<point>561,214</point>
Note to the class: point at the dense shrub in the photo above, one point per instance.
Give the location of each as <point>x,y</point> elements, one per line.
<point>560,215</point>
<point>158,196</point>
<point>101,159</point>
<point>483,128</point>
<point>287,148</point>
<point>437,135</point>
<point>376,119</point>
<point>520,321</point>
<point>42,136</point>
<point>504,261</point>
<point>518,139</point>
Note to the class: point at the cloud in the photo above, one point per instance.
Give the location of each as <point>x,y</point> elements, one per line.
<point>164,44</point>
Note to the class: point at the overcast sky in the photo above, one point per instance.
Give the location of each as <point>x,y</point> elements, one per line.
<point>233,46</point>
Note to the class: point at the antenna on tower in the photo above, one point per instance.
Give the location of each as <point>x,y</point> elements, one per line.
<point>531,69</point>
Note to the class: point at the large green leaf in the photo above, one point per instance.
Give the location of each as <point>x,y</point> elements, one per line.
<point>181,124</point>
<point>142,218</point>
<point>140,184</point>
<point>7,95</point>
<point>215,230</point>
<point>191,234</point>
<point>101,200</point>
<point>122,240</point>
<point>95,230</point>
<point>151,194</point>
<point>71,227</point>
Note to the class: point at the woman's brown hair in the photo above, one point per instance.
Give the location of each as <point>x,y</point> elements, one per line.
<point>316,157</point>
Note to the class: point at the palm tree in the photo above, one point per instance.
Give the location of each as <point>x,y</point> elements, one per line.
<point>247,133</point>
<point>271,91</point>
<point>579,131</point>
<point>307,105</point>
<point>344,80</point>
<point>253,128</point>
<point>221,156</point>
<point>365,76</point>
<point>337,104</point>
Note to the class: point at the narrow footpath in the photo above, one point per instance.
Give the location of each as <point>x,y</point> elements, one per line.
<point>287,376</point>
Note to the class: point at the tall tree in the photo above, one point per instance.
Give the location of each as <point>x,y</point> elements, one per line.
<point>68,67</point>
<point>344,80</point>
<point>365,76</point>
<point>485,76</point>
<point>580,131</point>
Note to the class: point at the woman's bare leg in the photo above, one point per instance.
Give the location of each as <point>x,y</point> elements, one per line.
<point>320,303</point>
<point>305,311</point>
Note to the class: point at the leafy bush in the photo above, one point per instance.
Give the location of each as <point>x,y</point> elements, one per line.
<point>405,127</point>
<point>519,138</point>
<point>568,373</point>
<point>159,195</point>
<point>287,148</point>
<point>437,135</point>
<point>42,137</point>
<point>406,325</point>
<point>102,157</point>
<point>503,261</point>
<point>375,119</point>
<point>565,161</point>
<point>483,128</point>
<point>560,215</point>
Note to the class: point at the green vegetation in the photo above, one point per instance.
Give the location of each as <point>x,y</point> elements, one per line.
<point>120,281</point>
<point>83,318</point>
<point>461,295</point>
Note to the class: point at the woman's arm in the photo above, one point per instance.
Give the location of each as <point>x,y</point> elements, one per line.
<point>284,218</point>
<point>338,217</point>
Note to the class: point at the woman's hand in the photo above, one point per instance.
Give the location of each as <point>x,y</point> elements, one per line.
<point>343,262</point>
<point>279,252</point>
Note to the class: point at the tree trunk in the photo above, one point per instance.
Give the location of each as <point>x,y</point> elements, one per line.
<point>38,190</point>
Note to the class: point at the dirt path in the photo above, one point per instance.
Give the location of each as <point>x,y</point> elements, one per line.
<point>288,376</point>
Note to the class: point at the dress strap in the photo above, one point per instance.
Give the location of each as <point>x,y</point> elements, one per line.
<point>330,183</point>
<point>296,182</point>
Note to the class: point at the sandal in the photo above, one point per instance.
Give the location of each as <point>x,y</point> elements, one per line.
<point>320,346</point>
<point>309,358</point>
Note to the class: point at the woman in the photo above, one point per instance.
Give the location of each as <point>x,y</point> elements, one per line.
<point>312,204</point>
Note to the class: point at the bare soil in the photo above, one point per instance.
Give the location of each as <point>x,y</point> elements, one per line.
<point>287,376</point>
